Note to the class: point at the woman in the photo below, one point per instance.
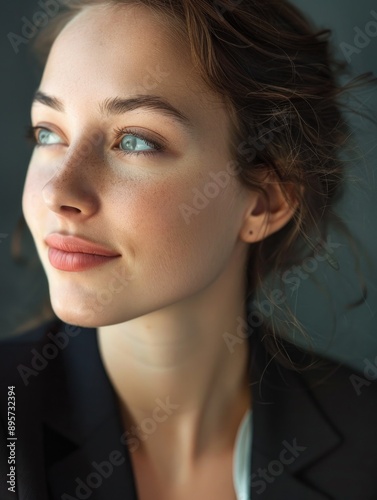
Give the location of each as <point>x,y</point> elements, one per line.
<point>182,149</point>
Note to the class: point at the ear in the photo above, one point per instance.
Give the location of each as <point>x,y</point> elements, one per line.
<point>267,214</point>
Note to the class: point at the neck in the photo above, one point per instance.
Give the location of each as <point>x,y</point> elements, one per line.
<point>176,378</point>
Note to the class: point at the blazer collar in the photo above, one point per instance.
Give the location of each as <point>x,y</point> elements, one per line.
<point>82,413</point>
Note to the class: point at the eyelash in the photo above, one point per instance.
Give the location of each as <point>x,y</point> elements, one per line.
<point>119,133</point>
<point>30,134</point>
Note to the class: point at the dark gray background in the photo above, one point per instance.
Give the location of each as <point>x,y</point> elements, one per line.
<point>320,301</point>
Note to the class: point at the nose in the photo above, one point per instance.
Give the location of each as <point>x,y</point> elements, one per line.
<point>71,191</point>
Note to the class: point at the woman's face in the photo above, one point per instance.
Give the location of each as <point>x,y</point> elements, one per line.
<point>127,174</point>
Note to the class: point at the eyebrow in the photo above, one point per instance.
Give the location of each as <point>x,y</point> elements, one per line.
<point>49,101</point>
<point>118,105</point>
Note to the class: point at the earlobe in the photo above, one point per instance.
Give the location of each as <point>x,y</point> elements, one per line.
<point>269,213</point>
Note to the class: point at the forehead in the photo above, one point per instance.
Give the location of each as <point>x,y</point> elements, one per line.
<point>122,49</point>
<point>123,27</point>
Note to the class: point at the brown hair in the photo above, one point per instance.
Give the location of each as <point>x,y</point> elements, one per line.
<point>279,79</point>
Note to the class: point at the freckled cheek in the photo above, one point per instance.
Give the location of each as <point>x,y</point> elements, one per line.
<point>149,211</point>
<point>153,218</point>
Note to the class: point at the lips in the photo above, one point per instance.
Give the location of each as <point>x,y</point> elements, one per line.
<point>72,253</point>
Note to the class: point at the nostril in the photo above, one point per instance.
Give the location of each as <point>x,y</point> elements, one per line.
<point>70,197</point>
<point>66,208</point>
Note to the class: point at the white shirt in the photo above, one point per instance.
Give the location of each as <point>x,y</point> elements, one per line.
<point>242,458</point>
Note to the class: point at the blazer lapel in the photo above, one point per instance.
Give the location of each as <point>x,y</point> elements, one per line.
<point>86,457</point>
<point>290,432</point>
<point>99,469</point>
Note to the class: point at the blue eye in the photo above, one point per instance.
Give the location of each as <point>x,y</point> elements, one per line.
<point>40,136</point>
<point>132,143</point>
<point>45,137</point>
<point>129,141</point>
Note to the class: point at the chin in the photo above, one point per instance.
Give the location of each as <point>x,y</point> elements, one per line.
<point>82,315</point>
<point>75,313</point>
<point>73,318</point>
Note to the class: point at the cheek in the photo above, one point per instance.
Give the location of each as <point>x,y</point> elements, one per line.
<point>171,236</point>
<point>160,209</point>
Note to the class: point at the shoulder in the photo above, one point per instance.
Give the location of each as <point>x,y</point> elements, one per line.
<point>347,395</point>
<point>346,392</point>
<point>320,372</point>
<point>335,385</point>
<point>328,375</point>
<point>324,413</point>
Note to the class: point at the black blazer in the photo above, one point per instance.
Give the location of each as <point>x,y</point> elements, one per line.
<point>314,432</point>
